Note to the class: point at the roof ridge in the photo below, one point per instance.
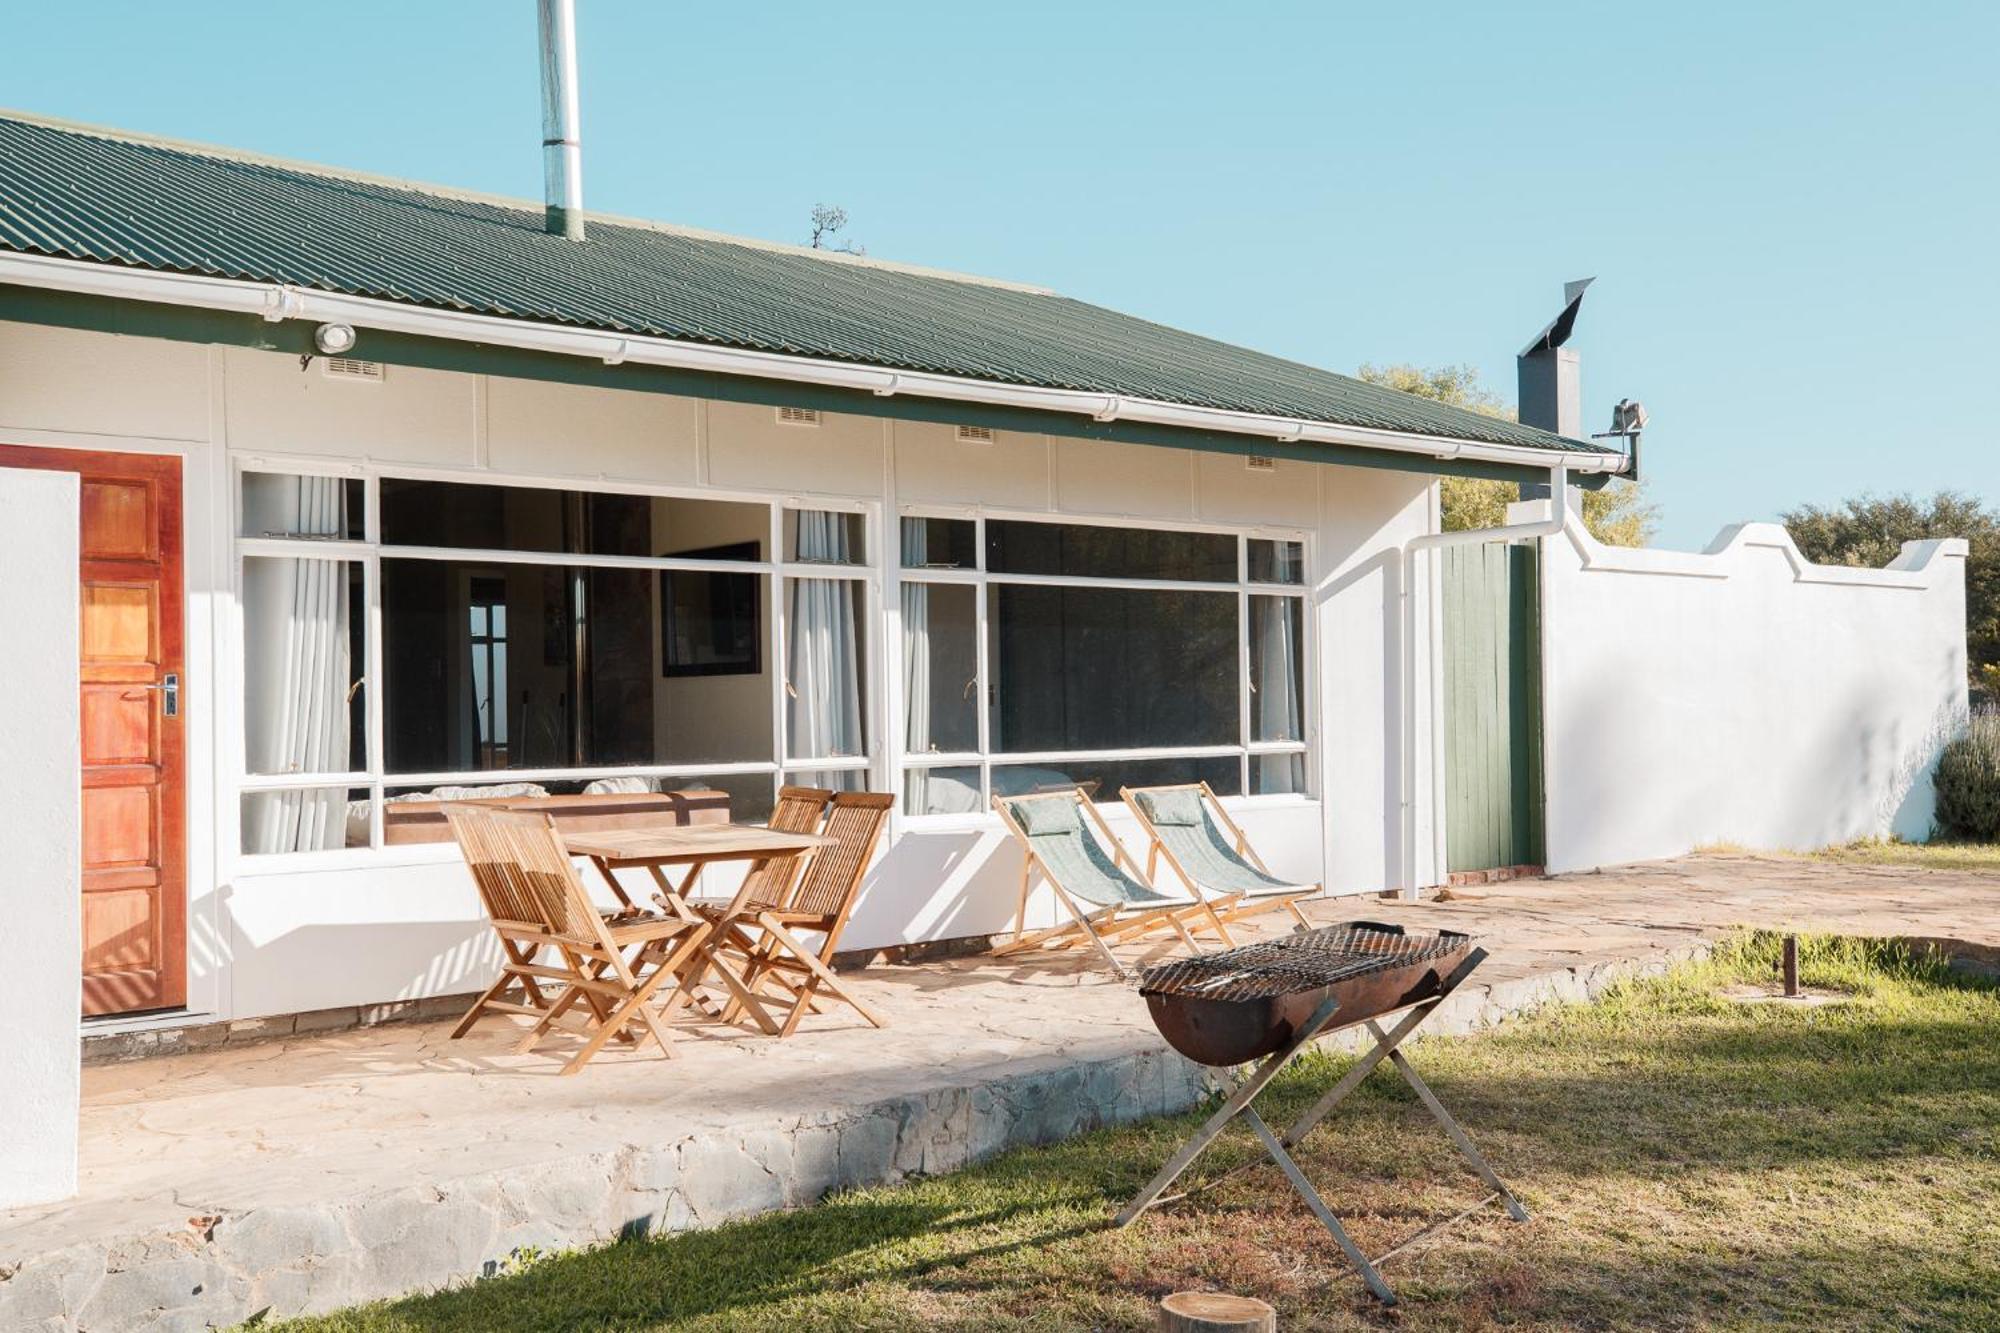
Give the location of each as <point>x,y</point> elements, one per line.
<point>221,152</point>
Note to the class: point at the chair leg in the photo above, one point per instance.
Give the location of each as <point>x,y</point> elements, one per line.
<point>823,975</point>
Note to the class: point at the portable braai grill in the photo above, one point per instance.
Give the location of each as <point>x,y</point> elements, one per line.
<point>1270,1000</point>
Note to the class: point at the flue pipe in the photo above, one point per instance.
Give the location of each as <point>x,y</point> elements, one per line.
<point>562,143</point>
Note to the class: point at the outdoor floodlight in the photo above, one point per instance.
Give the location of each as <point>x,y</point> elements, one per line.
<point>334,339</point>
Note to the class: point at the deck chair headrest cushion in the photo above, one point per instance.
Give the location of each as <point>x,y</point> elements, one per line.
<point>1040,816</point>
<point>1175,805</point>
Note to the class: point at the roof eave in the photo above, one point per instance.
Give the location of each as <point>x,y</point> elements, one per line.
<point>279,302</point>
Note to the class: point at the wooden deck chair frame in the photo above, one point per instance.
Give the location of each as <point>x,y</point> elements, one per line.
<point>1229,907</point>
<point>820,904</point>
<point>551,931</point>
<point>1117,923</point>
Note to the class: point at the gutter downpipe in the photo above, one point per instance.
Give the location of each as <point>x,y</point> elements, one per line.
<point>1406,859</point>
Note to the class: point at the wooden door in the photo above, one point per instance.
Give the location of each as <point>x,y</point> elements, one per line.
<point>1492,707</point>
<point>134,682</point>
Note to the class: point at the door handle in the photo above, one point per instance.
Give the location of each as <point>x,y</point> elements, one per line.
<point>170,687</point>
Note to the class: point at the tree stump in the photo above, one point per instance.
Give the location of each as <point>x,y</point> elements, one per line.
<point>1213,1312</point>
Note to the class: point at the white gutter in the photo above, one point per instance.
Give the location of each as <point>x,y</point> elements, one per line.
<point>1406,859</point>
<point>276,302</point>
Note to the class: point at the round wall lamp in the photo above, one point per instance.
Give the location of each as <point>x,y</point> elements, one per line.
<point>334,339</point>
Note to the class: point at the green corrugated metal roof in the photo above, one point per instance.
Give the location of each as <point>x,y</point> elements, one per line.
<point>93,195</point>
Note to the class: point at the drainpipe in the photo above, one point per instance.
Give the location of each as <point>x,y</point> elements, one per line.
<point>562,139</point>
<point>1406,869</point>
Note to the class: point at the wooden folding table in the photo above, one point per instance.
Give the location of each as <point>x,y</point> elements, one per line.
<point>693,847</point>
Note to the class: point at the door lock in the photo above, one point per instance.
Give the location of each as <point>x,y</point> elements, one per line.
<point>170,692</point>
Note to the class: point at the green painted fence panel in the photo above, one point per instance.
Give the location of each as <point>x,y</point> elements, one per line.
<point>1492,706</point>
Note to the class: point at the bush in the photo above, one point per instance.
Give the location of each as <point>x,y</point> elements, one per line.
<point>1968,782</point>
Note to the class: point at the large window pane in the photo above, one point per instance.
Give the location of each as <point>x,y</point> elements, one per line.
<point>1103,778</point>
<point>939,543</point>
<point>283,505</point>
<point>497,666</point>
<point>531,518</point>
<point>316,819</point>
<point>304,657</point>
<point>940,668</point>
<point>1112,668</point>
<point>824,669</point>
<point>1091,551</point>
<point>1277,698</point>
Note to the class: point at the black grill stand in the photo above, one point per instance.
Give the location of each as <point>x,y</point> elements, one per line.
<point>1387,1047</point>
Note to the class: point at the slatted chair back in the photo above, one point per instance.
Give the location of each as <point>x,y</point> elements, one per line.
<point>799,810</point>
<point>834,877</point>
<point>521,860</point>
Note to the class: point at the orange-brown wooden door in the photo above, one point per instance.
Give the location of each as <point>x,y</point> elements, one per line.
<point>133,681</point>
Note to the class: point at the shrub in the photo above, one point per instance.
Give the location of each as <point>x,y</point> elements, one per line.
<point>1968,782</point>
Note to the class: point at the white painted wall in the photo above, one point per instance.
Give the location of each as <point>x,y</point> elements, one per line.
<point>403,922</point>
<point>1742,695</point>
<point>40,793</point>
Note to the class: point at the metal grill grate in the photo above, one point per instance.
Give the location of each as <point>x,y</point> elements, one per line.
<point>1303,961</point>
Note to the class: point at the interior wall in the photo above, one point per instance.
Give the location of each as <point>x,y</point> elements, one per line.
<point>719,718</point>
<point>1744,696</point>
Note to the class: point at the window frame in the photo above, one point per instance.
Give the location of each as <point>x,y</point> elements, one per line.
<point>985,759</point>
<point>369,551</point>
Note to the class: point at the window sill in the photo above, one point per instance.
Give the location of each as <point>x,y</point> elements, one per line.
<point>988,821</point>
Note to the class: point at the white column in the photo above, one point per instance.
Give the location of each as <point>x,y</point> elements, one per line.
<point>40,814</point>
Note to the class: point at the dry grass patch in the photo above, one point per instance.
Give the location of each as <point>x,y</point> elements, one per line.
<point>1690,1161</point>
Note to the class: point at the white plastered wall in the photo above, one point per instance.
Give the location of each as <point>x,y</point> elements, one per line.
<point>1742,695</point>
<point>404,922</point>
<point>40,795</point>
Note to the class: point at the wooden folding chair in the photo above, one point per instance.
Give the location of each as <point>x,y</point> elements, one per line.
<point>1124,906</point>
<point>821,906</point>
<point>1186,825</point>
<point>767,885</point>
<point>551,931</point>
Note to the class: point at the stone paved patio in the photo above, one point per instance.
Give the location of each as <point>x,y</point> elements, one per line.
<point>314,1172</point>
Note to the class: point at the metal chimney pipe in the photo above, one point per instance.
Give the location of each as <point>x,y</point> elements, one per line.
<point>562,137</point>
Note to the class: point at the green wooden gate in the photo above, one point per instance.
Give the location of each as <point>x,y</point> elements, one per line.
<point>1492,706</point>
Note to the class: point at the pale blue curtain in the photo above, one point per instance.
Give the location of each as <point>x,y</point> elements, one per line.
<point>916,666</point>
<point>823,673</point>
<point>300,679</point>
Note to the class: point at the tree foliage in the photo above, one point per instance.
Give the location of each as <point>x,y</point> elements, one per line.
<point>1618,515</point>
<point>827,221</point>
<point>1869,532</point>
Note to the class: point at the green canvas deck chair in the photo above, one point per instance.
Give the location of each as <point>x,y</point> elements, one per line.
<point>1198,840</point>
<point>1107,902</point>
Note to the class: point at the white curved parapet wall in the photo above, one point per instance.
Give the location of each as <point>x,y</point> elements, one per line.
<point>1744,694</point>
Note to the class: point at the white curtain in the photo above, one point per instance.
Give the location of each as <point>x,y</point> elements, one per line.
<point>823,673</point>
<point>300,679</point>
<point>916,666</point>
<point>1275,685</point>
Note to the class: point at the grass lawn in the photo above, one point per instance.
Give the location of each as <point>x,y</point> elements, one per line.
<point>1984,856</point>
<point>1690,1162</point>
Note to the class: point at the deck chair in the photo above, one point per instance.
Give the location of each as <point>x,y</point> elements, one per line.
<point>766,885</point>
<point>801,973</point>
<point>550,931</point>
<point>1186,826</point>
<point>1121,904</point>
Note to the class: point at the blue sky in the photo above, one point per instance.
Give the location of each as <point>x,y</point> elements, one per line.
<point>1791,209</point>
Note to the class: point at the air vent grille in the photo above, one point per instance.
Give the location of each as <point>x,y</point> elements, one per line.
<point>798,416</point>
<point>1260,463</point>
<point>975,434</point>
<point>352,368</point>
